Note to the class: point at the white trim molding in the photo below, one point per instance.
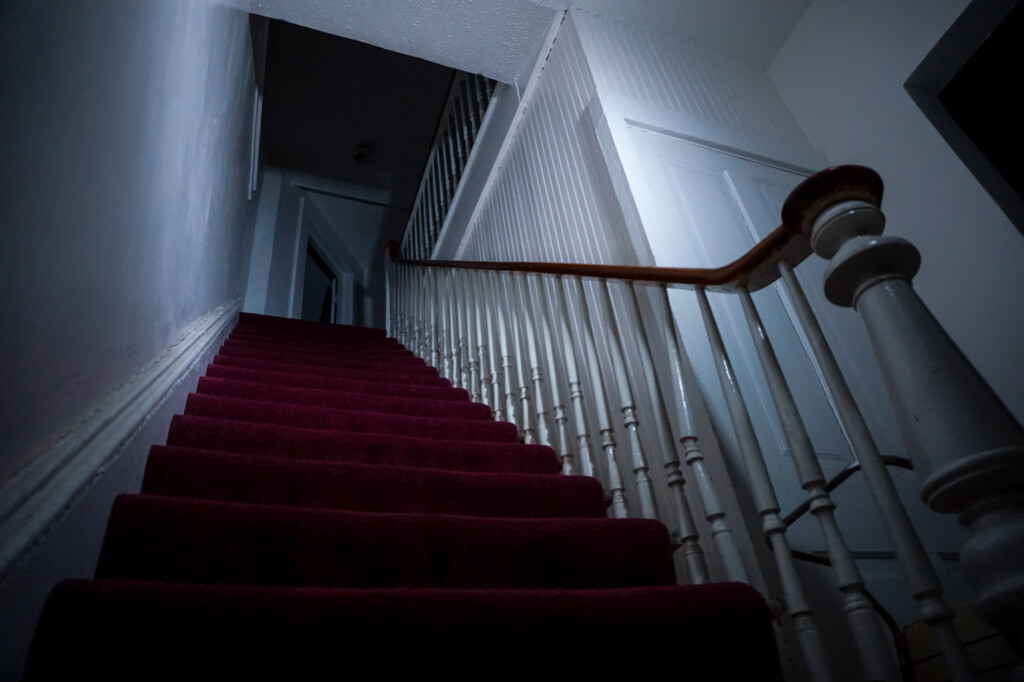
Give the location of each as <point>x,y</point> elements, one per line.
<point>41,493</point>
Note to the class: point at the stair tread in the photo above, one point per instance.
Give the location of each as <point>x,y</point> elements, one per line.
<point>306,520</point>
<point>353,421</point>
<point>301,443</point>
<point>390,376</point>
<point>328,382</point>
<point>374,353</point>
<point>422,407</point>
<point>306,327</point>
<point>348,361</point>
<point>223,542</point>
<point>171,631</point>
<point>211,475</point>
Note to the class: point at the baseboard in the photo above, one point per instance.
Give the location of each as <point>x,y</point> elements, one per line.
<point>42,492</point>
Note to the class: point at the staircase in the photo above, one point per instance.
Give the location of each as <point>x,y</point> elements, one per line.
<point>328,506</point>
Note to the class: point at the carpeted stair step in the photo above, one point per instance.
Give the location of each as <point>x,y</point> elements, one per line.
<point>359,448</point>
<point>139,630</point>
<point>329,383</point>
<point>298,343</point>
<point>372,351</point>
<point>310,329</point>
<point>344,400</point>
<point>328,507</point>
<point>201,474</point>
<point>357,374</point>
<point>346,361</point>
<point>352,421</point>
<point>199,541</point>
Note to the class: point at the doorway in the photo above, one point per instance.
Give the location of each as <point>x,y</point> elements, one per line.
<point>319,289</point>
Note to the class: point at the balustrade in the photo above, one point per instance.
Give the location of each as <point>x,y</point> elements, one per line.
<point>523,338</point>
<point>463,114</point>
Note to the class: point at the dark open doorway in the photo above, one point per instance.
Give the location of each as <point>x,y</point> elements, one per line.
<point>320,289</point>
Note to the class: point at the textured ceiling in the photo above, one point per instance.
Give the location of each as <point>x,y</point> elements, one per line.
<point>751,31</point>
<point>325,95</point>
<point>498,38</point>
<point>502,38</point>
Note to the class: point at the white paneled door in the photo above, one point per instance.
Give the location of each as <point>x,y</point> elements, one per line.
<point>703,206</point>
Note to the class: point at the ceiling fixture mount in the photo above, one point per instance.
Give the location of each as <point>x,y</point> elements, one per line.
<point>362,153</point>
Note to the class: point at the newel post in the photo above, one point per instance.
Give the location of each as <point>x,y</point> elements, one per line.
<point>967,449</point>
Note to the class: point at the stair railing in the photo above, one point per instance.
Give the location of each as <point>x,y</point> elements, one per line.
<point>457,129</point>
<point>965,443</point>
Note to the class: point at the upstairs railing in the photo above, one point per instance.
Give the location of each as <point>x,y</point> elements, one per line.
<point>463,114</point>
<point>495,329</point>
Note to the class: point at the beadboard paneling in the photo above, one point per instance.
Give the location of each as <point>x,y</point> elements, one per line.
<point>551,198</point>
<point>661,71</point>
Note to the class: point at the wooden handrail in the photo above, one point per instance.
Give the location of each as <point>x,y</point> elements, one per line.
<point>755,269</point>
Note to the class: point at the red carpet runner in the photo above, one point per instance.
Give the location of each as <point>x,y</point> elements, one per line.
<point>328,506</point>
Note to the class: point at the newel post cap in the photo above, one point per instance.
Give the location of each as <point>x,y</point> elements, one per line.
<point>827,188</point>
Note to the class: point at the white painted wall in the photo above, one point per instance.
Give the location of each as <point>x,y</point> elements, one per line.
<point>289,244</point>
<point>841,73</point>
<point>125,144</point>
<point>262,251</point>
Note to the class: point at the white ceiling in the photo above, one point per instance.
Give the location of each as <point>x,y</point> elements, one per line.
<point>502,38</point>
<point>493,37</point>
<point>751,31</point>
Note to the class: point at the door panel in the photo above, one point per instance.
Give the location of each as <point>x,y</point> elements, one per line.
<point>703,207</point>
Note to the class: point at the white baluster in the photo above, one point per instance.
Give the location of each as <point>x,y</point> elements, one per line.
<point>418,226</point>
<point>689,537</point>
<point>480,85</point>
<point>422,314</point>
<point>525,353</point>
<point>536,374</point>
<point>410,318</point>
<point>451,358</point>
<point>403,321</point>
<point>906,543</point>
<point>478,346</point>
<point>493,350</point>
<point>455,124</point>
<point>872,646</point>
<point>615,487</point>
<point>529,434</point>
<point>435,317</point>
<point>435,172</point>
<point>497,296</point>
<point>453,161</point>
<point>535,288</point>
<point>965,445</point>
<point>474,112</point>
<point>645,489</point>
<point>445,180</point>
<point>396,301</point>
<point>427,221</point>
<point>586,459</point>
<point>807,634</point>
<point>714,512</point>
<point>464,119</point>
<point>462,313</point>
